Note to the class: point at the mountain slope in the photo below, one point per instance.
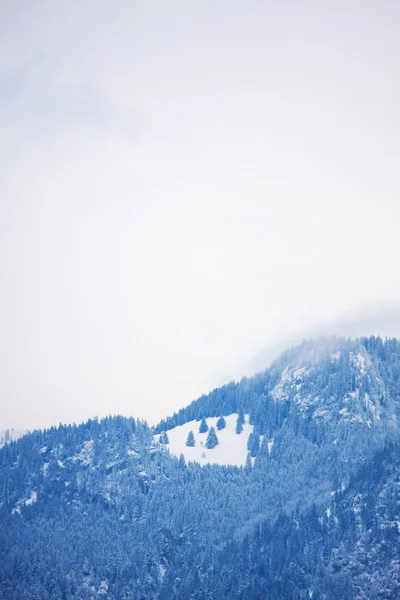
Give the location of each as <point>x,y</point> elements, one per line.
<point>333,379</point>
<point>111,509</point>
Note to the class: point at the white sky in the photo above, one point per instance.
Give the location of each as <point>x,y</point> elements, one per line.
<point>185,188</point>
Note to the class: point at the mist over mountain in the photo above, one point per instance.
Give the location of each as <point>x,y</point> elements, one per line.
<point>10,435</point>
<point>284,485</point>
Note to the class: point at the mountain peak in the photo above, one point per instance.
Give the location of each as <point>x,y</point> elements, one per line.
<point>335,379</point>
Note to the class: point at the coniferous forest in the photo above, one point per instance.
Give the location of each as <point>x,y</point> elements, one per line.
<point>104,510</point>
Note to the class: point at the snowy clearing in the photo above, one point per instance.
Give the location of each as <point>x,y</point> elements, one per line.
<point>231,449</point>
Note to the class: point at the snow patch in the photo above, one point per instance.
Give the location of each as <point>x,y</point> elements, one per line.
<point>85,455</point>
<point>278,391</point>
<point>231,449</point>
<point>361,363</point>
<point>288,379</point>
<point>28,502</point>
<point>373,408</point>
<point>321,412</point>
<point>103,587</point>
<point>133,452</point>
<point>32,499</point>
<point>298,373</point>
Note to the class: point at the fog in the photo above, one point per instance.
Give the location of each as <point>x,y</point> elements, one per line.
<point>186,189</point>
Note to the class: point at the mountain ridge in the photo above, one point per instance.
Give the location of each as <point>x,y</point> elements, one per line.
<point>313,510</point>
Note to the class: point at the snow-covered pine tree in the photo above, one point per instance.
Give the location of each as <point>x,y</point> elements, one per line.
<point>221,423</point>
<point>240,422</point>
<point>253,443</point>
<point>212,439</point>
<point>203,426</point>
<point>190,439</point>
<point>248,467</point>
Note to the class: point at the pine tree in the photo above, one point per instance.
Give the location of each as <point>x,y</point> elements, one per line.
<point>203,426</point>
<point>212,439</point>
<point>190,439</point>
<point>250,442</point>
<point>240,422</point>
<point>253,443</point>
<point>221,423</point>
<point>164,438</point>
<point>248,467</point>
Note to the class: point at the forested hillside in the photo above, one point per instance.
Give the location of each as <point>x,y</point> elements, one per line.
<point>105,510</point>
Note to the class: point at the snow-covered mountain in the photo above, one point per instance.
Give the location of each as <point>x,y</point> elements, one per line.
<point>312,379</point>
<point>303,502</point>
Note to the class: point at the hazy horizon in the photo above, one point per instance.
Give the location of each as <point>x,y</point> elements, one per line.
<point>186,190</point>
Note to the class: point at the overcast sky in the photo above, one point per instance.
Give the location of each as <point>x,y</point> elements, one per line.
<point>186,188</point>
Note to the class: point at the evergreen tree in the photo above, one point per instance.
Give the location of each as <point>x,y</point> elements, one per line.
<point>221,423</point>
<point>212,439</point>
<point>253,443</point>
<point>240,422</point>
<point>190,439</point>
<point>164,438</point>
<point>248,467</point>
<point>203,426</point>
